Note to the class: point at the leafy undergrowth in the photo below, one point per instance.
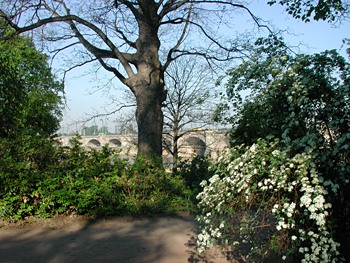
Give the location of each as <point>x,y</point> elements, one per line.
<point>74,181</point>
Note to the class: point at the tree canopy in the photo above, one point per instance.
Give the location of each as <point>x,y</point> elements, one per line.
<point>329,10</point>
<point>285,95</point>
<point>29,93</point>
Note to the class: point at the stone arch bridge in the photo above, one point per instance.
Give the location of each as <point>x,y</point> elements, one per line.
<point>194,142</point>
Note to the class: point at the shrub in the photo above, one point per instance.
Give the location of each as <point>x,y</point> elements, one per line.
<point>78,181</point>
<point>22,162</point>
<point>273,203</point>
<point>194,172</point>
<point>303,100</point>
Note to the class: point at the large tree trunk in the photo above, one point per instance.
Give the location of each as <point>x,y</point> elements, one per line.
<point>175,152</point>
<point>175,142</point>
<point>148,84</point>
<point>149,117</point>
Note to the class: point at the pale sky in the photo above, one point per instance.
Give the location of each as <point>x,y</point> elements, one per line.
<point>314,37</point>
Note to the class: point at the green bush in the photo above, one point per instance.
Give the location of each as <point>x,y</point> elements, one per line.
<point>194,172</point>
<point>48,180</point>
<point>304,101</point>
<point>269,202</point>
<point>147,189</point>
<point>22,162</point>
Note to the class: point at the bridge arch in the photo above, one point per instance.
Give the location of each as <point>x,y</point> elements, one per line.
<point>115,143</point>
<point>94,143</point>
<point>197,145</point>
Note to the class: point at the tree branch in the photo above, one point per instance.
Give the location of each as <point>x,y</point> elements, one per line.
<point>180,40</point>
<point>109,113</point>
<point>113,70</point>
<point>77,66</point>
<point>102,35</point>
<point>97,52</point>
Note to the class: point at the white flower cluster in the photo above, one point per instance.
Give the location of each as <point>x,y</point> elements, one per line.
<point>205,240</point>
<point>292,182</point>
<point>323,248</point>
<point>287,221</point>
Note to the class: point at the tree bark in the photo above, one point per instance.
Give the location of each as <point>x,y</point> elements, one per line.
<point>149,117</point>
<point>148,84</point>
<point>175,151</point>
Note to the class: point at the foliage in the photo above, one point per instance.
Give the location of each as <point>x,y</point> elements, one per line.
<point>29,94</point>
<point>30,110</point>
<point>278,84</point>
<point>194,172</point>
<point>269,200</point>
<point>304,101</point>
<point>79,181</point>
<point>322,10</point>
<point>23,161</point>
<point>291,97</point>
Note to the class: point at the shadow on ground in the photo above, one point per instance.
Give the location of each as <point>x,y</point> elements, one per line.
<point>121,239</point>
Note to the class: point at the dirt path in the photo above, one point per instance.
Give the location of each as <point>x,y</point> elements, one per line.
<point>120,239</point>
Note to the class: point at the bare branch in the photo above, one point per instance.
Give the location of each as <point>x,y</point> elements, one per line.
<point>206,56</point>
<point>113,70</point>
<point>77,66</point>
<point>109,113</point>
<point>187,21</point>
<point>180,40</point>
<point>171,6</point>
<point>58,50</point>
<point>123,36</point>
<point>98,53</point>
<point>89,46</point>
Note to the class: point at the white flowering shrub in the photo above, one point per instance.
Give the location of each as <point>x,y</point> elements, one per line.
<point>269,203</point>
